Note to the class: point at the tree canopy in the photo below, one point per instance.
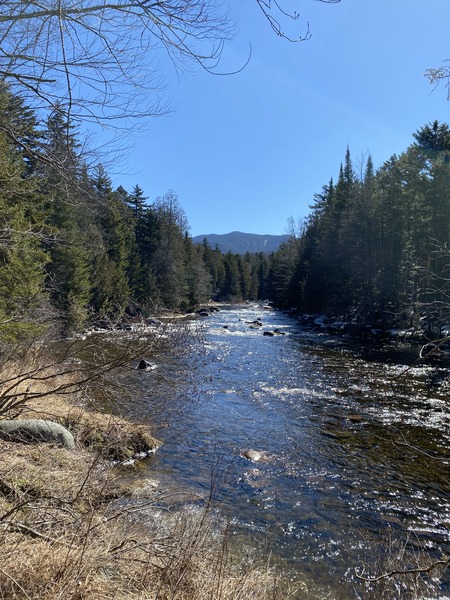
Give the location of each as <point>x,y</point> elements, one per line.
<point>375,248</point>
<point>76,251</point>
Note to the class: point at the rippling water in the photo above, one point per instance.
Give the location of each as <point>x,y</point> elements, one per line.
<point>353,449</point>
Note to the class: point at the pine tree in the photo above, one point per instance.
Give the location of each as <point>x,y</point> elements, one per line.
<point>244,276</point>
<point>231,289</point>
<point>431,151</point>
<point>137,201</point>
<point>69,268</point>
<point>261,269</point>
<point>433,138</point>
<point>145,289</point>
<point>213,261</point>
<point>198,279</point>
<point>111,291</point>
<point>282,281</point>
<point>22,229</point>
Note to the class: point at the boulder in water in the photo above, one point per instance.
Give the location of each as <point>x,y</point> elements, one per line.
<point>253,455</point>
<point>145,365</point>
<point>257,323</point>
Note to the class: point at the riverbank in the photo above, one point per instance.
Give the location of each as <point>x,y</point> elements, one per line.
<point>84,523</point>
<point>91,523</point>
<point>348,434</point>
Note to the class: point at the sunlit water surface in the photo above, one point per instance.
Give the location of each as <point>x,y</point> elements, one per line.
<point>353,448</point>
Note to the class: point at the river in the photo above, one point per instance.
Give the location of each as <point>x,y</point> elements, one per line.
<point>354,449</point>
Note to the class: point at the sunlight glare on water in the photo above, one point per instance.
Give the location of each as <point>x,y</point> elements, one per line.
<point>351,447</point>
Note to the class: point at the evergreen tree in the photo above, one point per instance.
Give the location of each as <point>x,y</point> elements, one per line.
<point>261,270</point>
<point>433,138</point>
<point>214,262</point>
<point>282,275</point>
<point>231,289</point>
<point>137,201</point>
<point>147,232</point>
<point>373,249</point>
<point>22,259</point>
<point>68,270</point>
<point>198,278</point>
<point>316,272</point>
<point>111,291</point>
<point>245,278</point>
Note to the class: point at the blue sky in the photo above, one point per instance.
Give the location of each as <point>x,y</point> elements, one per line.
<point>247,151</point>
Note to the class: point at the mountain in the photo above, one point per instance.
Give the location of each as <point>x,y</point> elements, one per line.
<point>240,243</point>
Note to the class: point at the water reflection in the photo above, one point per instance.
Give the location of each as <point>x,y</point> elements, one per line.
<point>351,446</point>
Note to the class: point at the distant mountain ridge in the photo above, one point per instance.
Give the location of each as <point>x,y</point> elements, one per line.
<point>240,243</point>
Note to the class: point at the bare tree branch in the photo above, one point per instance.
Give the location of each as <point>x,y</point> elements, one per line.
<point>418,571</point>
<point>440,75</point>
<point>96,58</point>
<point>269,7</point>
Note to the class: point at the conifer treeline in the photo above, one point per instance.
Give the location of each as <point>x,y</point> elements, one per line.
<point>71,246</point>
<point>375,248</point>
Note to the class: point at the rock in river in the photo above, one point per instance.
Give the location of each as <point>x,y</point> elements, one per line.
<point>252,455</point>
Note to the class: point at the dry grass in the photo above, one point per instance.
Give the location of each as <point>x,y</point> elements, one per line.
<point>114,437</point>
<point>73,527</point>
<point>61,537</point>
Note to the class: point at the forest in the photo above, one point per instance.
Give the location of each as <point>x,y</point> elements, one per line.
<point>76,252</point>
<point>343,444</point>
<point>374,249</point>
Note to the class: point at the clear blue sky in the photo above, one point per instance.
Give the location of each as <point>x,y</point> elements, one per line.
<point>245,152</point>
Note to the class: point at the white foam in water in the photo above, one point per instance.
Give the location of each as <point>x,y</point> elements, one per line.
<point>335,472</point>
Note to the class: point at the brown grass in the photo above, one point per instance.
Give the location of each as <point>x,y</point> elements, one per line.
<point>116,438</point>
<point>77,526</point>
<point>62,536</point>
<point>73,527</point>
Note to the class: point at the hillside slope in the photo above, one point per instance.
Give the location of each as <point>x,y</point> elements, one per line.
<point>240,243</point>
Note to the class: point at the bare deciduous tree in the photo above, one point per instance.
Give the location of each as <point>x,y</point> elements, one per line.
<point>270,8</point>
<point>440,75</point>
<point>97,58</point>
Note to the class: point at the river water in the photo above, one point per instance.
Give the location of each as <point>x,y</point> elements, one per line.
<point>354,450</point>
